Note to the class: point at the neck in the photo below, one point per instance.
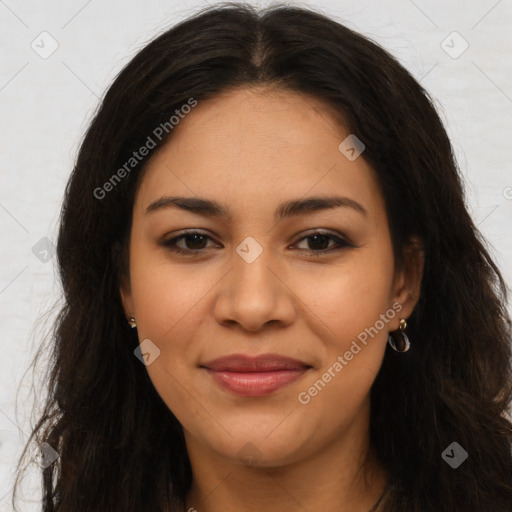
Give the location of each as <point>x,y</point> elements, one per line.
<point>332,480</point>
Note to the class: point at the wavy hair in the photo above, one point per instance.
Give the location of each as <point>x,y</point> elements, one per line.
<point>120,448</point>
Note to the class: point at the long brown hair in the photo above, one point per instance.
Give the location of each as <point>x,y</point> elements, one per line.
<point>120,448</point>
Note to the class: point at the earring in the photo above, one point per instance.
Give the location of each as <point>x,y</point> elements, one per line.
<point>403,344</point>
<point>132,323</point>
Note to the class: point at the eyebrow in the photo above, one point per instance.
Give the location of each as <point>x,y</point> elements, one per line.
<point>210,208</point>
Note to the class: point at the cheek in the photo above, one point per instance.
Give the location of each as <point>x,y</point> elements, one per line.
<point>167,296</point>
<point>334,304</point>
<point>337,301</point>
<point>171,304</point>
<point>352,302</point>
<point>349,297</point>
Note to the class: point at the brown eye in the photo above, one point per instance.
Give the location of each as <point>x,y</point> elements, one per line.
<point>192,243</point>
<point>318,243</point>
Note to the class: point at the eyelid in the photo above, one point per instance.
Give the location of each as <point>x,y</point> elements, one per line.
<point>323,232</point>
<point>340,241</point>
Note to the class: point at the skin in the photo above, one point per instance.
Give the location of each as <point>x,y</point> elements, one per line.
<point>251,149</point>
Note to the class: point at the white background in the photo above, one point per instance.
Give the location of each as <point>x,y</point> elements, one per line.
<point>46,105</point>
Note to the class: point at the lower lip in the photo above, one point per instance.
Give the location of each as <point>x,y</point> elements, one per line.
<point>255,383</point>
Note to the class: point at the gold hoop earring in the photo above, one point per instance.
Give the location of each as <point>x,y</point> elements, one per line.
<point>132,323</point>
<point>402,344</point>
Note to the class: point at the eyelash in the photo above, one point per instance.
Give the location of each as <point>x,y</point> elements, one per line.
<point>341,243</point>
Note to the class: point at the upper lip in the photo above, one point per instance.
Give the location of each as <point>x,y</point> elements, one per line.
<point>262,363</point>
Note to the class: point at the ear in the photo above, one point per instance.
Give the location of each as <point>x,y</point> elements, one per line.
<point>120,261</point>
<point>126,297</point>
<point>407,284</point>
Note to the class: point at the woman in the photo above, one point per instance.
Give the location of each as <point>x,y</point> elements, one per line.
<point>275,298</point>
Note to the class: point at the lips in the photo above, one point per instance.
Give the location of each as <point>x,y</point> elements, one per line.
<point>254,376</point>
<point>264,363</point>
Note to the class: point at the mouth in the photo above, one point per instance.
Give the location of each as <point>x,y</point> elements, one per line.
<point>254,376</point>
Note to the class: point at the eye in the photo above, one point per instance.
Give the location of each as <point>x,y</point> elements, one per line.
<point>193,243</point>
<point>319,243</point>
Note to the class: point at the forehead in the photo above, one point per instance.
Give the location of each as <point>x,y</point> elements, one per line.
<point>252,147</point>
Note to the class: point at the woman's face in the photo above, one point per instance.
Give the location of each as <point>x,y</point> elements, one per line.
<point>255,282</point>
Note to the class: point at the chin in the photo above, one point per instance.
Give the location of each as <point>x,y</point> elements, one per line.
<point>259,450</point>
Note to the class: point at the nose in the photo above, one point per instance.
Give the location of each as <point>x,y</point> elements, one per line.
<point>255,293</point>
